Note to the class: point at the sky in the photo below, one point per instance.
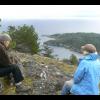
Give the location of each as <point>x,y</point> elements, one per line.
<point>12,12</point>
<point>50,19</point>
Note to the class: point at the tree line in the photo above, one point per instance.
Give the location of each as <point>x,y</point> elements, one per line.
<point>75,40</point>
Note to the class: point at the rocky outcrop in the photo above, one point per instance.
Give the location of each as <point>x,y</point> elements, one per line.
<point>44,79</point>
<point>47,79</point>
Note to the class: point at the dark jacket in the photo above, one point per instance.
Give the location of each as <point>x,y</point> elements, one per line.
<point>4,58</point>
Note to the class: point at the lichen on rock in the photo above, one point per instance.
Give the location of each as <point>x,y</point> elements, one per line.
<point>46,76</point>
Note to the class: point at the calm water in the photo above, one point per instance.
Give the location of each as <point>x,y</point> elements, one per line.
<point>63,53</point>
<point>59,52</point>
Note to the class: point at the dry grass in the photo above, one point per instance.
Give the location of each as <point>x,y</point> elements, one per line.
<point>61,65</point>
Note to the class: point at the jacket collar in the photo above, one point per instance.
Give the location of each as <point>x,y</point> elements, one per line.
<point>91,56</point>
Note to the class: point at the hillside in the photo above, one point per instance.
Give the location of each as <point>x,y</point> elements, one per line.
<point>46,76</point>
<point>69,40</point>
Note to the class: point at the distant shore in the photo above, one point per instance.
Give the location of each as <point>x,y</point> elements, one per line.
<point>73,41</point>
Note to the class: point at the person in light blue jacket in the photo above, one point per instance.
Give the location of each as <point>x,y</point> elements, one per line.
<point>87,75</point>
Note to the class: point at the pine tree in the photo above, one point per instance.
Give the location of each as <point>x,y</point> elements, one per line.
<point>25,37</point>
<point>73,59</point>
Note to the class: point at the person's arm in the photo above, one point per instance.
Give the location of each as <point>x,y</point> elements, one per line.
<point>4,55</point>
<point>79,74</point>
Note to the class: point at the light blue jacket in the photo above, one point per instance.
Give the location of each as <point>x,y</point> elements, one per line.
<point>87,76</point>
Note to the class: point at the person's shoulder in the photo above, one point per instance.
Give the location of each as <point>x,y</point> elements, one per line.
<point>84,62</point>
<point>97,62</point>
<point>1,46</point>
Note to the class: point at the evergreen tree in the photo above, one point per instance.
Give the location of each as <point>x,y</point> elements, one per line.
<point>24,37</point>
<point>73,59</point>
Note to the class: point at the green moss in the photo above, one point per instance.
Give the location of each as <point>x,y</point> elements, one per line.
<point>28,81</point>
<point>58,93</point>
<point>10,90</point>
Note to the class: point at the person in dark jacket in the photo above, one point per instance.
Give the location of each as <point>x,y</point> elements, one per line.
<point>8,65</point>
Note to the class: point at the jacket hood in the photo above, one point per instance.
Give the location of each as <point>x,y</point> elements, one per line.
<point>92,56</point>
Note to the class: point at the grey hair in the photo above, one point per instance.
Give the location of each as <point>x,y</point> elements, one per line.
<point>5,37</point>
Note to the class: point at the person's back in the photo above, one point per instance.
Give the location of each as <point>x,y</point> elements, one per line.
<point>87,75</point>
<point>93,73</point>
<point>86,79</point>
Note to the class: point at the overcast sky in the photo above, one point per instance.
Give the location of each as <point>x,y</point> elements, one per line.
<point>49,12</point>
